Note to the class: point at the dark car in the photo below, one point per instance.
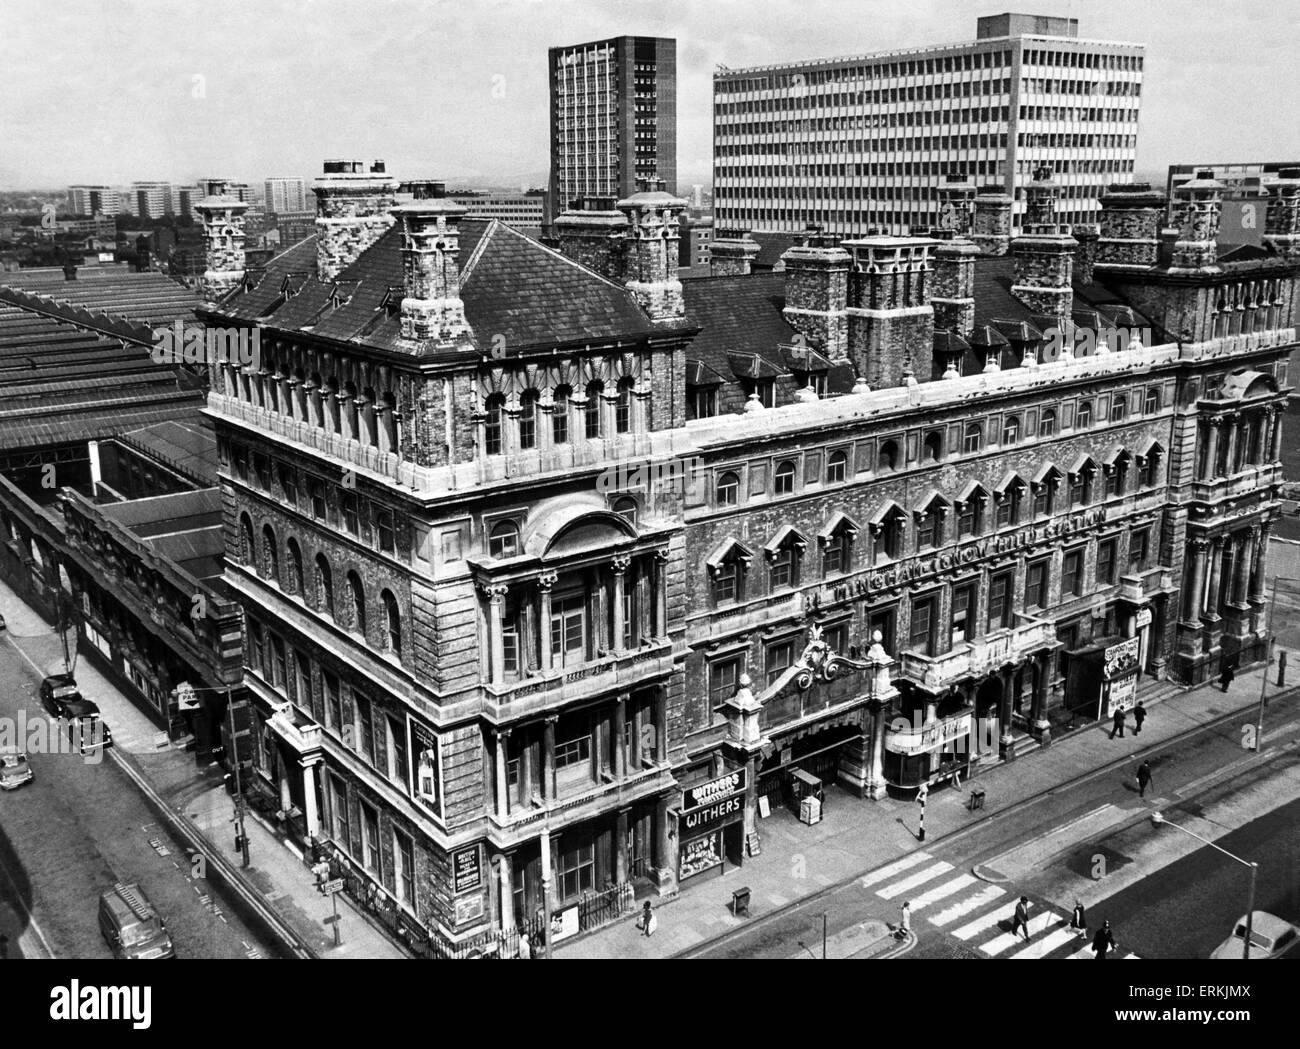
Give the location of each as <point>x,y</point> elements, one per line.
<point>62,699</point>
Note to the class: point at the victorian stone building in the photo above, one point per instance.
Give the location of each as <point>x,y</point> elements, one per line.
<point>557,572</point>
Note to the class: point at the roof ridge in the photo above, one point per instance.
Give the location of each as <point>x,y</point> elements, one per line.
<point>563,257</point>
<point>292,247</point>
<point>479,248</point>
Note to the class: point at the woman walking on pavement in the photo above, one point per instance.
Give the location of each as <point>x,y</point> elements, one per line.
<point>1079,920</point>
<point>905,923</point>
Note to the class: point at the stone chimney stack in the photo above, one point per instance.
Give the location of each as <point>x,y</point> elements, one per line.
<point>1200,208</point>
<point>652,252</point>
<point>223,242</point>
<point>1085,258</point>
<point>890,318</point>
<point>1044,278</point>
<point>595,234</point>
<point>1041,196</point>
<point>731,253</point>
<point>1131,218</point>
<point>956,204</point>
<point>1282,223</point>
<point>816,294</point>
<point>953,289</point>
<point>992,230</point>
<point>353,210</point>
<point>432,310</point>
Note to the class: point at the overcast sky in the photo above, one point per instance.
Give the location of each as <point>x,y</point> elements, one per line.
<point>116,90</point>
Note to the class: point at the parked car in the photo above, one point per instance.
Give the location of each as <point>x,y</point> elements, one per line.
<point>62,699</point>
<point>131,926</point>
<point>1270,937</point>
<point>15,769</point>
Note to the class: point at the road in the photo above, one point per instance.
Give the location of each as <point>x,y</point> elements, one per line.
<point>77,829</point>
<point>1093,841</point>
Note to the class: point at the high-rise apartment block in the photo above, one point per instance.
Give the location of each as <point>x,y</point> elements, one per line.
<point>613,118</point>
<point>94,200</point>
<point>286,194</point>
<point>862,143</point>
<point>150,200</point>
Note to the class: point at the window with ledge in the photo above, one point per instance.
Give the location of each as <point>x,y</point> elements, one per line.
<point>289,485</point>
<point>1107,554</point>
<point>729,580</point>
<point>777,658</point>
<point>1009,501</point>
<point>560,415</point>
<point>331,700</point>
<point>397,762</point>
<point>970,513</point>
<point>724,678</point>
<point>370,837</point>
<point>1151,401</point>
<point>783,561</point>
<point>783,479</point>
<point>964,600</point>
<point>702,402</point>
<point>404,876</point>
<point>1081,485</point>
<point>592,414</point>
<point>1118,407</point>
<point>528,419</point>
<point>1045,493</point>
<point>1152,473</point>
<point>1072,573</point>
<point>1047,423</point>
<point>623,407</point>
<point>319,508</point>
<point>836,465</point>
<point>1083,416</point>
<point>1010,430</point>
<point>493,443</point>
<point>576,871</point>
<point>351,517</point>
<point>1036,577</point>
<point>924,620</point>
<point>932,447</point>
<point>930,525</point>
<point>1000,613</point>
<point>727,489</point>
<point>366,727</point>
<point>1117,475</point>
<point>384,532</point>
<point>569,645</point>
<point>887,542</point>
<point>887,457</point>
<point>766,390</point>
<point>503,540</point>
<point>1139,549</point>
<point>972,439</point>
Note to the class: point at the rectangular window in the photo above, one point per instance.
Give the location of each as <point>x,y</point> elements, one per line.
<point>703,402</point>
<point>924,613</point>
<point>289,485</point>
<point>370,837</point>
<point>384,530</point>
<point>573,752</point>
<point>968,520</point>
<point>778,658</point>
<point>834,558</point>
<point>1036,585</point>
<point>350,518</point>
<point>560,419</point>
<point>783,568</point>
<point>339,807</point>
<point>724,676</point>
<point>404,850</point>
<point>1072,573</point>
<point>333,703</point>
<point>577,871</point>
<point>963,614</point>
<point>1138,550</point>
<point>397,770</point>
<point>1000,600</point>
<point>365,721</point>
<point>726,583</point>
<point>317,491</point>
<point>1107,550</point>
<point>569,631</point>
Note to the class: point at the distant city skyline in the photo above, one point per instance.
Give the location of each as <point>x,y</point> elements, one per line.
<point>458,91</point>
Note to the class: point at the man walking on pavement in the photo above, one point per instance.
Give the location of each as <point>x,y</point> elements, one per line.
<point>1021,920</point>
<point>1104,941</point>
<point>1118,723</point>
<point>1144,778</point>
<point>1139,716</point>
<point>1229,672</point>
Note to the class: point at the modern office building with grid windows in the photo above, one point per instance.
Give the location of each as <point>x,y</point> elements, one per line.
<point>862,143</point>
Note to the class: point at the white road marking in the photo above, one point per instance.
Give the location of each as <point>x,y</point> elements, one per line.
<point>884,873</point>
<point>1038,923</point>
<point>1039,949</point>
<point>983,922</point>
<point>920,878</point>
<point>973,903</point>
<point>946,889</point>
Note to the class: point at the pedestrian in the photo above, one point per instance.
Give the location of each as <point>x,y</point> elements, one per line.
<point>649,920</point>
<point>1104,941</point>
<point>905,923</point>
<point>1144,778</point>
<point>1229,672</point>
<point>525,947</point>
<point>1079,920</point>
<point>1021,920</point>
<point>1118,723</point>
<point>956,774</point>
<point>1139,716</point>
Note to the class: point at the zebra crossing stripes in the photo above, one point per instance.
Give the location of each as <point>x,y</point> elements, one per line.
<point>1045,946</point>
<point>942,892</point>
<point>897,867</point>
<point>1038,923</point>
<point>983,923</point>
<point>911,882</point>
<point>982,898</point>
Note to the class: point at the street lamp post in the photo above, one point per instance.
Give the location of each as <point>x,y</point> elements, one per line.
<point>1159,820</point>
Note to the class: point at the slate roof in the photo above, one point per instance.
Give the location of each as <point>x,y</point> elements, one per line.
<point>183,527</point>
<point>512,286</point>
<point>188,446</point>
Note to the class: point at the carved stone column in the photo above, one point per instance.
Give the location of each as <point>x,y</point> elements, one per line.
<point>496,595</point>
<point>1212,448</point>
<point>1210,609</point>
<point>503,773</point>
<point>1192,599</point>
<point>506,887</point>
<point>549,790</point>
<point>620,740</point>
<point>661,593</point>
<point>545,582</point>
<point>1259,584</point>
<point>619,566</point>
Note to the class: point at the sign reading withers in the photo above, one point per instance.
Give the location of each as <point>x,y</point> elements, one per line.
<point>713,804</point>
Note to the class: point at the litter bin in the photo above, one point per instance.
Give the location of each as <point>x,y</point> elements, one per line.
<point>976,799</point>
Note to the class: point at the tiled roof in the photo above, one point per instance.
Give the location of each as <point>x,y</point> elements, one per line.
<point>147,298</point>
<point>512,286</point>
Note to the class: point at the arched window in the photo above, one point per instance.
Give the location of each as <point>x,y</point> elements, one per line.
<point>592,415</point>
<point>503,541</point>
<point>728,489</point>
<point>528,419</point>
<point>492,435</point>
<point>324,586</point>
<point>358,594</point>
<point>560,415</point>
<point>836,465</point>
<point>887,457</point>
<point>1047,424</point>
<point>623,407</point>
<point>295,566</point>
<point>1010,430</point>
<point>270,555</point>
<point>1083,418</point>
<point>783,479</point>
<point>626,508</point>
<point>247,547</point>
<point>1118,407</point>
<point>393,623</point>
<point>933,446</point>
<point>972,438</point>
